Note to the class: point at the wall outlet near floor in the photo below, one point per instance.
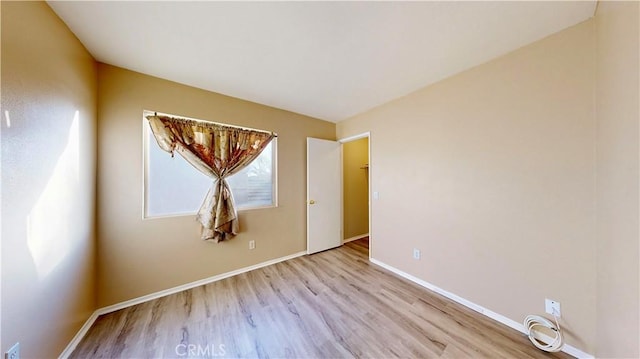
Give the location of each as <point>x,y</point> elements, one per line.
<point>13,353</point>
<point>552,307</point>
<point>252,244</point>
<point>416,253</point>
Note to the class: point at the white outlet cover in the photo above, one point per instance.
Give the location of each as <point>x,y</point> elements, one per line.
<point>552,307</point>
<point>13,353</point>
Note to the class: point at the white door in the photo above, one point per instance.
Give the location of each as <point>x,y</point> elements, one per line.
<point>324,195</point>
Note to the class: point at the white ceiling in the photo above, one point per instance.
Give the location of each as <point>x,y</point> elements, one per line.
<point>329,60</point>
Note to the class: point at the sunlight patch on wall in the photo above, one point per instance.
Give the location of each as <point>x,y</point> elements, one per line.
<point>7,118</point>
<point>50,222</point>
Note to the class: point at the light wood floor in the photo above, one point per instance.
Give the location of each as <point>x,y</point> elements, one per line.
<point>333,304</point>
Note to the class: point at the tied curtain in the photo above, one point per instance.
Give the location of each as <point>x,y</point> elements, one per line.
<point>217,151</point>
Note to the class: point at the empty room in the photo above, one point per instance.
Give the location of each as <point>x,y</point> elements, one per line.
<point>437,179</point>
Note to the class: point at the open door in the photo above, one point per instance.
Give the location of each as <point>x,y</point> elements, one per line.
<point>324,195</point>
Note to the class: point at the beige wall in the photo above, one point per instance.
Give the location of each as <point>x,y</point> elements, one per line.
<point>617,111</point>
<point>491,174</point>
<point>48,181</point>
<point>495,179</point>
<point>137,256</point>
<point>355,155</point>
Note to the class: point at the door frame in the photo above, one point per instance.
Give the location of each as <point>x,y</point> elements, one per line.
<point>342,142</point>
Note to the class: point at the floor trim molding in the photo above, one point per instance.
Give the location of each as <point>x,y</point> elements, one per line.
<point>79,335</point>
<point>493,315</point>
<point>355,238</point>
<point>145,298</point>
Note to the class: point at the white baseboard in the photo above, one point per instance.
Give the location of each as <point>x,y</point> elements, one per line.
<point>493,315</point>
<point>128,303</point>
<point>180,288</point>
<point>79,335</point>
<point>355,238</point>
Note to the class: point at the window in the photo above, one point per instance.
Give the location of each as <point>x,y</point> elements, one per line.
<point>174,187</point>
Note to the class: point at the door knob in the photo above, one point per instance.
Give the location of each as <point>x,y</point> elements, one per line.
<point>312,201</point>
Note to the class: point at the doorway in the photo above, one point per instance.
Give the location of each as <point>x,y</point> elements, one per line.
<point>356,192</point>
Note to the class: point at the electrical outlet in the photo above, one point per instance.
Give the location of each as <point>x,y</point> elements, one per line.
<point>13,353</point>
<point>416,253</point>
<point>252,244</point>
<point>552,307</point>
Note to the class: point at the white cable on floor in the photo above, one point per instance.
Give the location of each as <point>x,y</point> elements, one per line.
<point>532,324</point>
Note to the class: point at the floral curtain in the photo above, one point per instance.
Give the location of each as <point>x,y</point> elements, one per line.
<point>217,151</point>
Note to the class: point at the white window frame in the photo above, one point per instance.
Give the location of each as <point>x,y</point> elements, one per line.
<point>146,132</point>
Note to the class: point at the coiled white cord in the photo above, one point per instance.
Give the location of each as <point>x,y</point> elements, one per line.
<point>532,324</point>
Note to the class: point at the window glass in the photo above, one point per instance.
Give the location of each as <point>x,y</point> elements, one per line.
<point>174,187</point>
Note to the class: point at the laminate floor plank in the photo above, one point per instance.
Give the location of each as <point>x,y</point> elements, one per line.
<point>333,304</point>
